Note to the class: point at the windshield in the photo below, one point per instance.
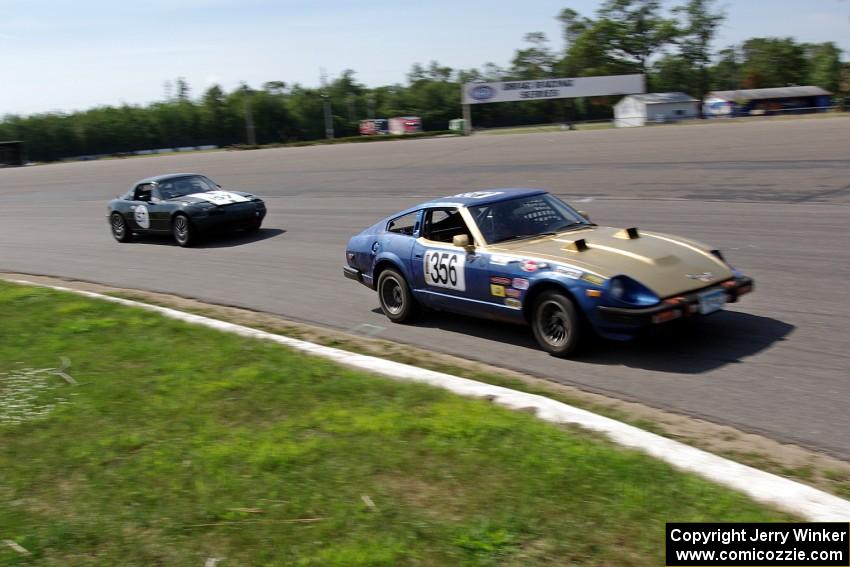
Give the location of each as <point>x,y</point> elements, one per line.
<point>182,186</point>
<point>525,217</point>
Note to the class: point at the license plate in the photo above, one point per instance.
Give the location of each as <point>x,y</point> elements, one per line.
<point>712,301</point>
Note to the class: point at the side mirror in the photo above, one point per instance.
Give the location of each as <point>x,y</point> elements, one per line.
<point>462,241</point>
<point>584,214</point>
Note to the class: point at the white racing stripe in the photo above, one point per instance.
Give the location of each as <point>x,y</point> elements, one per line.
<point>805,501</point>
<point>220,197</point>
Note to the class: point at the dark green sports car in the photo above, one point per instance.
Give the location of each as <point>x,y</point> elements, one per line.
<point>186,205</point>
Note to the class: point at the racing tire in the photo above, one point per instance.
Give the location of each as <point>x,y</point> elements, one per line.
<point>397,302</point>
<point>183,231</point>
<point>556,323</point>
<point>120,230</point>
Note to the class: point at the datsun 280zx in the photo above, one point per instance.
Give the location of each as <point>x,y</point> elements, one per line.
<point>524,256</point>
<point>186,205</point>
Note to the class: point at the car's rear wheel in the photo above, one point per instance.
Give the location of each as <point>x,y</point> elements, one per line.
<point>397,302</point>
<point>120,230</point>
<point>556,323</point>
<point>183,231</point>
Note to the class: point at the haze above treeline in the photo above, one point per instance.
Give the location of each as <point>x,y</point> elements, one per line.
<point>673,47</point>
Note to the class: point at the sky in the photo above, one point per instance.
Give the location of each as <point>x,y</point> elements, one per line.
<point>63,55</point>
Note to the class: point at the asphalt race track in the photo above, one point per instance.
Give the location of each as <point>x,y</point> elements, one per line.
<point>774,195</point>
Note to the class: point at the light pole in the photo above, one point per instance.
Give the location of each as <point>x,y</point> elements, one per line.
<point>249,117</point>
<point>326,103</point>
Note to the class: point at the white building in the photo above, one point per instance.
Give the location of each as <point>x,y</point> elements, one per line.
<point>638,109</point>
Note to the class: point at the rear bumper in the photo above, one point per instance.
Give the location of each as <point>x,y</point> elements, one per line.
<point>685,305</point>
<point>358,276</point>
<point>352,273</point>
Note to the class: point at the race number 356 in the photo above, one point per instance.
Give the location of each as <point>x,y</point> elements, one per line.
<point>445,269</point>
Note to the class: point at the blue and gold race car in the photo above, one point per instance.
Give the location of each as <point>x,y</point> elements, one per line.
<point>524,256</point>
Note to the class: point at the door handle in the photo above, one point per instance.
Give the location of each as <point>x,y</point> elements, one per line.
<point>375,246</point>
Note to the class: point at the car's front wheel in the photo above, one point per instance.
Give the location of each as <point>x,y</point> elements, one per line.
<point>397,302</point>
<point>120,230</point>
<point>183,231</point>
<point>556,323</point>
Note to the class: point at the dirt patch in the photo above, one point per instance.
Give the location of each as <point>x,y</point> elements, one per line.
<point>792,461</point>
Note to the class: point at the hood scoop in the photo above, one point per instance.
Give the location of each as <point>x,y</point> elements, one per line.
<point>579,245</point>
<point>627,233</point>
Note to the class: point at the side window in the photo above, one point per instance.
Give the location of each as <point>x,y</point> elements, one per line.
<point>143,192</point>
<point>441,225</point>
<point>405,224</point>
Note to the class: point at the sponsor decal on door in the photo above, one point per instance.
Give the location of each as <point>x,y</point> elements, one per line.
<point>141,216</point>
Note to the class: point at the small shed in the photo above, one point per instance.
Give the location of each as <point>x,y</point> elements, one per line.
<point>638,109</point>
<point>780,100</point>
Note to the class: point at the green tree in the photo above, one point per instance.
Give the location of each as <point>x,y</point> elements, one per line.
<point>183,89</point>
<point>673,73</point>
<point>695,36</point>
<point>824,65</point>
<point>772,62</point>
<point>535,61</point>
<point>573,25</point>
<point>726,72</point>
<point>634,30</point>
<point>215,119</point>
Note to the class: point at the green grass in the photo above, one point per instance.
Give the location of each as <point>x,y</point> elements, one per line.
<point>824,476</point>
<point>347,140</point>
<point>543,128</point>
<point>180,443</point>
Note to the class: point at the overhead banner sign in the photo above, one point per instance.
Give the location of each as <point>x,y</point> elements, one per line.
<point>508,91</point>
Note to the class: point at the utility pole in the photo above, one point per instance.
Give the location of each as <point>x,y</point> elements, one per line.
<point>249,117</point>
<point>326,103</point>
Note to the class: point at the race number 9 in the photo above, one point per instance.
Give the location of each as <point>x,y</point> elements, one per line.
<point>445,269</point>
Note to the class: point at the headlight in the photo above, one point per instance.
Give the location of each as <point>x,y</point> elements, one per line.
<point>617,289</point>
<point>628,290</point>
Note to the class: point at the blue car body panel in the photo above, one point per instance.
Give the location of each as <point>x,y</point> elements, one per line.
<point>375,247</point>
<point>491,285</point>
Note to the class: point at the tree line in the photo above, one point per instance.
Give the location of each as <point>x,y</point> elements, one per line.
<point>673,47</point>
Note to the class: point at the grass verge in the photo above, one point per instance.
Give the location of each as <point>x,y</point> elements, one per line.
<point>813,468</point>
<point>180,443</point>
<point>348,140</point>
<point>546,128</point>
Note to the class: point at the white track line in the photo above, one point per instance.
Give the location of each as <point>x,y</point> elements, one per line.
<point>812,504</point>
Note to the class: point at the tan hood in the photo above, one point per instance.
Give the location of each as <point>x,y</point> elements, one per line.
<point>659,261</point>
